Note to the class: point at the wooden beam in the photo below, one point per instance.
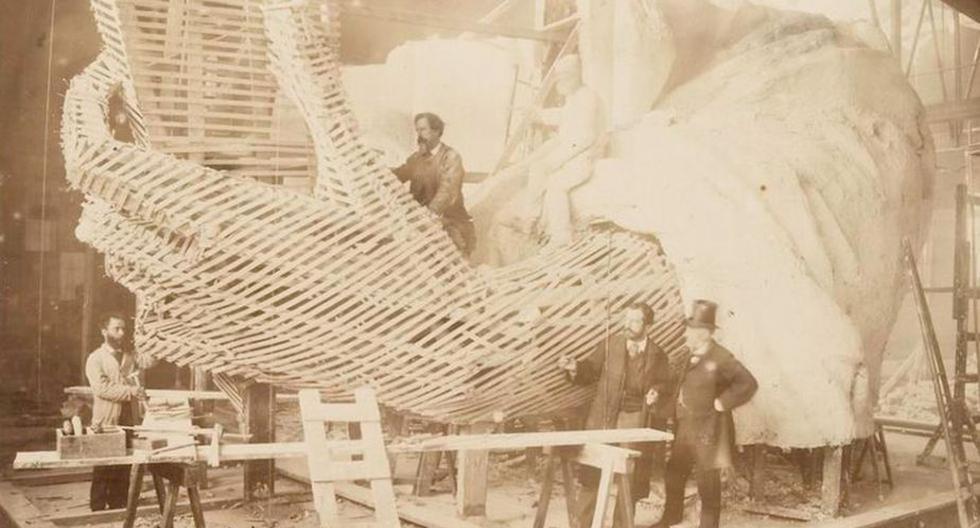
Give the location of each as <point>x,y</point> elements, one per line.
<point>442,22</point>
<point>970,8</point>
<point>471,484</point>
<point>260,412</point>
<point>831,491</point>
<point>953,110</point>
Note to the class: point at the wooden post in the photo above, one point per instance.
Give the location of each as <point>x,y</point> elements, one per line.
<point>832,473</point>
<point>88,313</point>
<point>471,490</point>
<point>896,14</point>
<point>260,411</point>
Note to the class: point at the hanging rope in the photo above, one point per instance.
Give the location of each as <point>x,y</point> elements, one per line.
<point>44,204</point>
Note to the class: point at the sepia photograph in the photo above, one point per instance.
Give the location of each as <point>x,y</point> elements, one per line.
<point>490,263</point>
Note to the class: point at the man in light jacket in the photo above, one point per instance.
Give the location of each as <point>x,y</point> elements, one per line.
<point>110,370</point>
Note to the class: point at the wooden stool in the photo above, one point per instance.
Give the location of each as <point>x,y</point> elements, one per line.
<point>175,475</point>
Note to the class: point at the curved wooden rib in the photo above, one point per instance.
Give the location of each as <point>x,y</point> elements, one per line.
<point>355,283</point>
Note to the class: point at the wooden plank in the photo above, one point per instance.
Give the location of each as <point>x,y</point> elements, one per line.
<point>232,452</point>
<point>600,455</point>
<point>17,511</point>
<point>421,19</point>
<point>182,507</point>
<point>539,439</point>
<point>408,511</point>
<point>471,488</point>
<point>778,511</point>
<point>938,509</point>
<point>324,499</point>
<point>260,411</point>
<point>51,477</point>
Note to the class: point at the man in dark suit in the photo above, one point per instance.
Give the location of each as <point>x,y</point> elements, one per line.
<point>435,175</point>
<point>631,374</point>
<point>713,384</point>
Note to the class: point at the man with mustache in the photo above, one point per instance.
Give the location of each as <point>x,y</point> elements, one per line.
<point>435,172</point>
<point>632,380</point>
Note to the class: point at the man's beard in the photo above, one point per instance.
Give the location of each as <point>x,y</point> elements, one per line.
<point>115,342</point>
<point>425,146</point>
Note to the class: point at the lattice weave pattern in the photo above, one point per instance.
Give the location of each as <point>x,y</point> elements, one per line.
<point>353,283</point>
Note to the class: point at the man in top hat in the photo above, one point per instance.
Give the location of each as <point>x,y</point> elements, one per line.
<point>713,384</point>
<point>631,376</point>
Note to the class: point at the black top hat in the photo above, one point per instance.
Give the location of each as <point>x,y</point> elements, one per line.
<point>702,314</point>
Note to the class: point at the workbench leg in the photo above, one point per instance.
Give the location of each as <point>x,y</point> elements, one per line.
<point>757,471</point>
<point>602,494</point>
<point>428,463</point>
<point>260,411</point>
<point>160,490</point>
<point>471,493</point>
<point>133,497</point>
<point>568,483</point>
<point>170,508</point>
<point>194,497</point>
<point>624,501</point>
<point>548,479</point>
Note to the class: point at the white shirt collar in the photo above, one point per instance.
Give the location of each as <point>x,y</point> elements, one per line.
<point>435,150</point>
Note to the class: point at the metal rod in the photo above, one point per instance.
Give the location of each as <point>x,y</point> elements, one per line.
<point>915,39</point>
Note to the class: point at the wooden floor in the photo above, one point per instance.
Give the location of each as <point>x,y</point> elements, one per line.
<point>45,499</point>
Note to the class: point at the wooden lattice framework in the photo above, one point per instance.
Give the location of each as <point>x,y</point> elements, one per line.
<point>352,282</point>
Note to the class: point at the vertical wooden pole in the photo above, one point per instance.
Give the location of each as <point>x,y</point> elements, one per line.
<point>260,410</point>
<point>832,471</point>
<point>471,491</point>
<point>957,71</point>
<point>89,334</point>
<point>896,14</point>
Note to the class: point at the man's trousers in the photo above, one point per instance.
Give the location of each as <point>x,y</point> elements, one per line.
<point>679,468</point>
<point>110,486</point>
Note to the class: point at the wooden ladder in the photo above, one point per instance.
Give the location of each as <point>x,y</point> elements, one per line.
<point>967,503</point>
<point>330,461</point>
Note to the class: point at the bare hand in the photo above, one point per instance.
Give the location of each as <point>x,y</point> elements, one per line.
<point>568,364</point>
<point>140,394</point>
<point>651,396</point>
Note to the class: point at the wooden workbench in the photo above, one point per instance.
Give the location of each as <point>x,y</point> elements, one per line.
<point>235,452</point>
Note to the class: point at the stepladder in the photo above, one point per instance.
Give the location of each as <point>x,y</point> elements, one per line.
<point>967,502</point>
<point>360,459</point>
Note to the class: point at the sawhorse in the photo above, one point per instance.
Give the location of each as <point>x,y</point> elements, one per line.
<point>616,467</point>
<point>175,475</point>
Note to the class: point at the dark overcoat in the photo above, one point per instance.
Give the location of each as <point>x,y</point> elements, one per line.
<point>709,433</point>
<point>608,372</point>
